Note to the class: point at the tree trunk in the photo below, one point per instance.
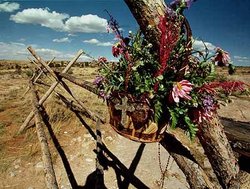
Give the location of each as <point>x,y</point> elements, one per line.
<point>219,152</point>
<point>212,136</point>
<point>147,14</point>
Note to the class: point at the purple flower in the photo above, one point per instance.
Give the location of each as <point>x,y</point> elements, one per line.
<point>98,80</point>
<point>103,95</point>
<point>175,4</point>
<point>207,110</point>
<point>189,3</point>
<point>171,12</point>
<point>114,26</point>
<point>208,103</point>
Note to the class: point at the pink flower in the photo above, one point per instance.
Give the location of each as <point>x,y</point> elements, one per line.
<point>182,90</point>
<point>222,57</point>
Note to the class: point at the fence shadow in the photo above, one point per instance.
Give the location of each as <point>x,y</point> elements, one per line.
<point>109,160</point>
<point>94,180</point>
<point>60,151</point>
<point>125,183</point>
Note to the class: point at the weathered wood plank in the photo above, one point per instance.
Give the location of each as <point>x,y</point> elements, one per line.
<point>238,133</point>
<point>34,77</point>
<point>41,61</point>
<point>84,84</point>
<point>76,107</point>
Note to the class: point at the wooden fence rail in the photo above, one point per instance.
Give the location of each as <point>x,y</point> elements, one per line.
<point>73,105</point>
<point>81,83</point>
<point>46,156</point>
<point>47,94</point>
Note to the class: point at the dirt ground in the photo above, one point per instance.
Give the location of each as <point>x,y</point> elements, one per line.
<point>21,165</point>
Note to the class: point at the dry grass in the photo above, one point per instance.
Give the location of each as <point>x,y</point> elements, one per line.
<point>2,128</point>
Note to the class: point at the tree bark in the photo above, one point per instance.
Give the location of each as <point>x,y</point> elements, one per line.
<point>147,14</point>
<point>212,136</point>
<point>219,152</point>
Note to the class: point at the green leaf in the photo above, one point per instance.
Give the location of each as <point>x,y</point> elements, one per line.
<point>158,111</point>
<point>192,129</point>
<point>174,118</point>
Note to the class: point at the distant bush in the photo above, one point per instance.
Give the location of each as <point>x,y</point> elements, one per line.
<point>29,73</point>
<point>70,71</point>
<point>57,65</point>
<point>18,69</point>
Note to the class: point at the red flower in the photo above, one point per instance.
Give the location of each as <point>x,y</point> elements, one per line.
<point>200,115</point>
<point>117,50</point>
<point>168,40</point>
<point>228,86</point>
<point>102,60</point>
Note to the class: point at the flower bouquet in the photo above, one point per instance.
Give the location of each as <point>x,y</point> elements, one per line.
<point>149,89</point>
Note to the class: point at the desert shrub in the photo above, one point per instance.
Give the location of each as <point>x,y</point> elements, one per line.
<point>62,63</point>
<point>57,65</point>
<point>29,73</point>
<point>70,71</point>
